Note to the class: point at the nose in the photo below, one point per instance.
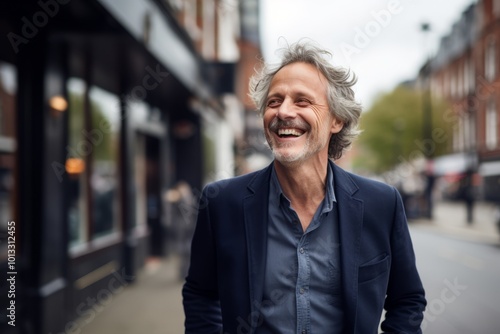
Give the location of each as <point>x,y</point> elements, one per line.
<point>286,110</point>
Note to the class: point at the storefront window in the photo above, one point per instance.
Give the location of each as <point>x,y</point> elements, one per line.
<point>140,180</point>
<point>491,127</point>
<point>92,190</point>
<point>103,135</point>
<point>76,154</point>
<point>139,115</point>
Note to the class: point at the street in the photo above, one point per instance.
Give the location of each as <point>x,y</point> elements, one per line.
<point>461,279</point>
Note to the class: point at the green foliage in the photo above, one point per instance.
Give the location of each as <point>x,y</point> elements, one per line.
<point>98,138</point>
<point>393,130</point>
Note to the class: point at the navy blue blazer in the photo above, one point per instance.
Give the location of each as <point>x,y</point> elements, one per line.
<point>224,287</point>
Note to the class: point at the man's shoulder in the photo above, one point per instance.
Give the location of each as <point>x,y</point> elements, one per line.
<point>238,184</point>
<point>372,183</point>
<point>366,184</point>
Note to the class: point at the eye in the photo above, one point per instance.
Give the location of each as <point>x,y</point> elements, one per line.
<point>302,102</point>
<point>273,103</point>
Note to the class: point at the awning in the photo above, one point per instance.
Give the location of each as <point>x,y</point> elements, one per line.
<point>454,163</point>
<point>144,18</point>
<point>489,168</point>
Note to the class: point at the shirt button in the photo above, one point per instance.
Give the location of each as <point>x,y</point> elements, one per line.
<point>301,250</point>
<point>301,290</point>
<point>304,332</point>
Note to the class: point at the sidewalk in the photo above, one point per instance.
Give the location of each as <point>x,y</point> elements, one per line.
<point>449,218</point>
<point>152,305</point>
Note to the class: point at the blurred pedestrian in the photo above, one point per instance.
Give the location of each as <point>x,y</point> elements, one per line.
<point>303,246</point>
<point>182,207</point>
<point>466,194</point>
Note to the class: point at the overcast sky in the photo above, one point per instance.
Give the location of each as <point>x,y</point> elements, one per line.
<point>379,40</point>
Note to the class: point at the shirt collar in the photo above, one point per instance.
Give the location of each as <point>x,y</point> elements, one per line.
<point>327,204</point>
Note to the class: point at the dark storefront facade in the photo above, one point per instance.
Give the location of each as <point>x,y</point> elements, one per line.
<point>96,122</point>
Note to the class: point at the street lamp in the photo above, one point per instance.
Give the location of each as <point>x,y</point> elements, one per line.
<point>426,98</point>
<point>427,127</point>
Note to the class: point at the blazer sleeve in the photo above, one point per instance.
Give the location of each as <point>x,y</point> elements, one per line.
<point>405,301</point>
<point>200,292</point>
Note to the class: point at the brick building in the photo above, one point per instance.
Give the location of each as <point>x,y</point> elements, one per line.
<point>226,34</point>
<point>465,71</point>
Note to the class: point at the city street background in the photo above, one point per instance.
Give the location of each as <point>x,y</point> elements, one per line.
<point>114,115</point>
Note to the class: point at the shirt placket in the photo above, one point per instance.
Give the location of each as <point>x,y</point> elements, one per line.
<point>302,289</point>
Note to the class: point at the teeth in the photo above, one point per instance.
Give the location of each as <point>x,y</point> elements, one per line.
<point>293,132</point>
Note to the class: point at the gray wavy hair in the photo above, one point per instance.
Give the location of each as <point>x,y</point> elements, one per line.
<point>341,102</point>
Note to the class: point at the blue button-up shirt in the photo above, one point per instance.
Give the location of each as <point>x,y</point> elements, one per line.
<point>302,291</point>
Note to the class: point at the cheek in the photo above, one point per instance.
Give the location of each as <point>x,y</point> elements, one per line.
<point>321,117</point>
<point>267,117</point>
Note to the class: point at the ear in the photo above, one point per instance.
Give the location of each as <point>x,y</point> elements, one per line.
<point>337,125</point>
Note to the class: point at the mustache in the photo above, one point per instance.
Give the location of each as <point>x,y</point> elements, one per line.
<point>277,123</point>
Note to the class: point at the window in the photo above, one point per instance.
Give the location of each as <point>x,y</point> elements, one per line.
<point>453,85</point>
<point>489,61</point>
<point>496,8</point>
<point>465,76</point>
<point>471,75</point>
<point>8,91</point>
<point>491,127</point>
<point>447,84</point>
<point>140,180</point>
<point>76,157</point>
<point>91,163</point>
<point>138,116</point>
<point>464,134</point>
<point>104,138</point>
<point>458,136</point>
<point>471,124</point>
<point>460,83</point>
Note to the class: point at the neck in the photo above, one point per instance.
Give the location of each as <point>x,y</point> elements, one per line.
<point>303,183</point>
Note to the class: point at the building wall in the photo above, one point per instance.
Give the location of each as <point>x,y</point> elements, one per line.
<point>235,25</point>
<point>488,79</point>
<point>466,72</point>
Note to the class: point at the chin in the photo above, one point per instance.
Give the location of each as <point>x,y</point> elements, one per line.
<point>289,158</point>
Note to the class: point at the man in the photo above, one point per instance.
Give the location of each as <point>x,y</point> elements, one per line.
<point>303,246</point>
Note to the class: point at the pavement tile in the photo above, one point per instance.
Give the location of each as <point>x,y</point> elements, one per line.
<point>152,304</point>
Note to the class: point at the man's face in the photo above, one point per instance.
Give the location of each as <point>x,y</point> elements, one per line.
<point>297,122</point>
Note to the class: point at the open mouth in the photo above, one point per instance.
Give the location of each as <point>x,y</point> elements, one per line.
<point>289,133</point>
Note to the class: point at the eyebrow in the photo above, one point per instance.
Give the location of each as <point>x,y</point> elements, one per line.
<point>294,94</point>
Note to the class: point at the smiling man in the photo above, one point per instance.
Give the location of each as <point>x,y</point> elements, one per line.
<point>303,246</point>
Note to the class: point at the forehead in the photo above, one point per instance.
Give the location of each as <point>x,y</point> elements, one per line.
<point>301,76</point>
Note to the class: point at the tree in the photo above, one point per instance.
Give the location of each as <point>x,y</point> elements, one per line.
<point>393,130</point>
<point>98,139</point>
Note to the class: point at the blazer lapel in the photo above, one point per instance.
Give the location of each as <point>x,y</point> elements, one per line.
<point>255,207</point>
<point>351,223</point>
